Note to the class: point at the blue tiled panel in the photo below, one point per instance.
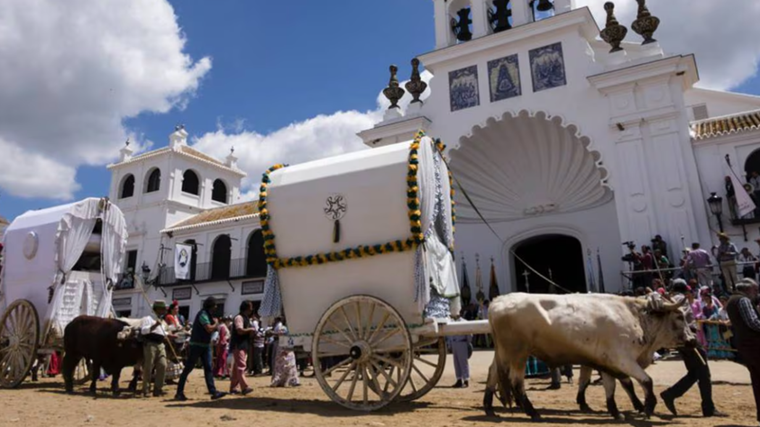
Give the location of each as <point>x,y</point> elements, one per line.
<point>463,88</point>
<point>504,78</point>
<point>547,67</point>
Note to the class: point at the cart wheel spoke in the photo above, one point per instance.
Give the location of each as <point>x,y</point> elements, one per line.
<point>348,323</point>
<point>368,327</point>
<point>339,330</point>
<point>350,395</point>
<point>386,336</point>
<point>343,377</point>
<point>339,365</point>
<point>426,362</point>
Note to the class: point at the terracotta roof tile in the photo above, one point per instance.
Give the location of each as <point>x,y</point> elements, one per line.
<point>217,215</point>
<point>726,125</point>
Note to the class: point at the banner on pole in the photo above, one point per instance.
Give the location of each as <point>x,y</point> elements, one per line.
<point>744,203</point>
<point>183,255</point>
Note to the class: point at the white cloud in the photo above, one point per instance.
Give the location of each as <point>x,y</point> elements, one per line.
<point>71,71</point>
<point>317,137</point>
<point>723,35</point>
<point>28,174</point>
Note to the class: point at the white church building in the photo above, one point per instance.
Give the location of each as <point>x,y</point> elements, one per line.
<point>565,148</point>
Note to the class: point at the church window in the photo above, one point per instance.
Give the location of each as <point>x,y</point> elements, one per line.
<point>219,193</point>
<point>256,262</point>
<point>127,187</point>
<point>154,180</point>
<point>190,183</point>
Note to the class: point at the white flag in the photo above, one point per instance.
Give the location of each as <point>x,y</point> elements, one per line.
<point>183,256</point>
<point>744,203</point>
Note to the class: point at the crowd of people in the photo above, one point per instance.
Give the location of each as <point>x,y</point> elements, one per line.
<point>227,347</point>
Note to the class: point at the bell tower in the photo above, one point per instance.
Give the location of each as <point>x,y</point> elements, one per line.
<point>460,21</point>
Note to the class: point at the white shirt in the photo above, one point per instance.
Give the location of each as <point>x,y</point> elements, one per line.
<point>147,322</point>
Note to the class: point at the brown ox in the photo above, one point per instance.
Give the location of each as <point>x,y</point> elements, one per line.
<point>108,343</point>
<point>613,334</point>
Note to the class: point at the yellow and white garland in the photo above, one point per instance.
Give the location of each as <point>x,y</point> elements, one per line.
<point>362,251</point>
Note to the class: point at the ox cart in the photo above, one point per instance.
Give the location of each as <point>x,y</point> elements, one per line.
<point>59,263</point>
<point>359,250</point>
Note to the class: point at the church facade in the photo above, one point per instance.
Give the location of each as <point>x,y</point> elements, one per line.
<point>567,145</point>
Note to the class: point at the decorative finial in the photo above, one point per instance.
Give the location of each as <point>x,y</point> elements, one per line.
<point>179,127</point>
<point>613,33</point>
<point>393,92</point>
<point>232,150</point>
<point>126,143</point>
<point>415,85</point>
<point>645,24</point>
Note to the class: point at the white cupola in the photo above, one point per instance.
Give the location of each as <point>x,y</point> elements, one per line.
<point>178,138</point>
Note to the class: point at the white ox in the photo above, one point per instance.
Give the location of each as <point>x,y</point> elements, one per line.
<point>616,335</point>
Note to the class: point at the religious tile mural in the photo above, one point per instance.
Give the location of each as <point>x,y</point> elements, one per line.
<point>463,88</point>
<point>504,78</point>
<point>547,66</point>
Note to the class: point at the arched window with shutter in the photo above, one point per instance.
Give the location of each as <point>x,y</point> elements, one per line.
<point>127,188</point>
<point>154,180</point>
<point>219,192</point>
<point>190,182</point>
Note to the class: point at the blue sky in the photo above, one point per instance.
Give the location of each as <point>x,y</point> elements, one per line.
<point>275,63</point>
<point>271,64</point>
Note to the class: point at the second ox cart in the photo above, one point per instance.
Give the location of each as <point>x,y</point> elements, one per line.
<point>359,249</point>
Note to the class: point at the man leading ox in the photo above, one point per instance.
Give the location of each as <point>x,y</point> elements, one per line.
<point>616,335</point>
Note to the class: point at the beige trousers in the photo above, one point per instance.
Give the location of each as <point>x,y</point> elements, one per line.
<point>154,356</point>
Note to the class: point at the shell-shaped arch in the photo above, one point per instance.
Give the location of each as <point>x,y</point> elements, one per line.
<point>519,166</point>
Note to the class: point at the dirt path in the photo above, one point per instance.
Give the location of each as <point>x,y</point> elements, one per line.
<point>45,404</point>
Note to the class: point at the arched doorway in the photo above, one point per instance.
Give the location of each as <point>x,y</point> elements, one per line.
<point>555,256</point>
<point>220,257</point>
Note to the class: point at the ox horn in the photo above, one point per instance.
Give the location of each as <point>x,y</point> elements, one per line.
<point>673,306</point>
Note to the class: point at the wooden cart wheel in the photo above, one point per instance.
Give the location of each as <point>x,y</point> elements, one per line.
<point>362,353</point>
<point>427,368</point>
<point>19,338</point>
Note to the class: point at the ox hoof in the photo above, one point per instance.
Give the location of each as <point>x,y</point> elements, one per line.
<point>585,408</point>
<point>490,412</point>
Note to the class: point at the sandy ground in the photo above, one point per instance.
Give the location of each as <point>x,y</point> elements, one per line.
<point>45,404</point>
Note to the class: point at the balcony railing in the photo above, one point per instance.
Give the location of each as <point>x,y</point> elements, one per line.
<point>214,271</point>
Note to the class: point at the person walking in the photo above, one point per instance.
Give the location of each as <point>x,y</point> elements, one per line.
<point>240,342</point>
<point>726,256</point>
<point>461,349</point>
<point>695,360</point>
<point>222,349</point>
<point>742,312</point>
<point>258,346</point>
<point>154,334</point>
<point>200,348</point>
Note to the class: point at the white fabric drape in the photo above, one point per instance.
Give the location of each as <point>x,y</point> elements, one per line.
<point>74,232</point>
<point>112,249</point>
<point>437,263</point>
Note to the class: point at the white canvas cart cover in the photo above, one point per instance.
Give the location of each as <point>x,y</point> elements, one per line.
<point>374,187</point>
<point>42,247</point>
